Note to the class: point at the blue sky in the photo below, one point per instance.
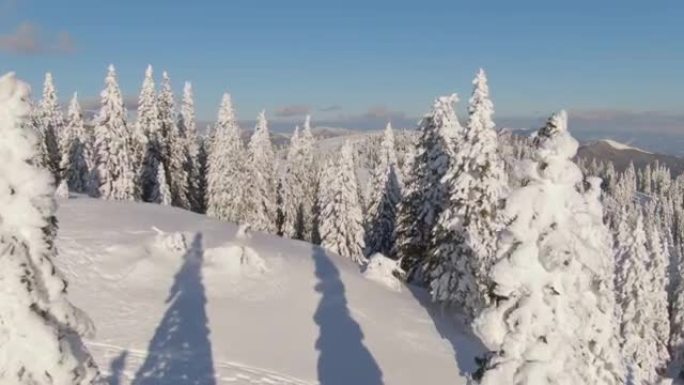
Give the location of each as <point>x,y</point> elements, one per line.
<point>363,62</point>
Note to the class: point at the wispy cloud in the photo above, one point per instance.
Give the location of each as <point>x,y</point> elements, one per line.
<point>93,104</point>
<point>331,108</point>
<point>28,39</point>
<point>292,111</point>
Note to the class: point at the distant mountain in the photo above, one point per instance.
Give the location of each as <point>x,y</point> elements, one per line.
<point>621,155</point>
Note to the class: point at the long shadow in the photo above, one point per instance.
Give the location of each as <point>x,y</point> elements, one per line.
<point>180,351</point>
<point>343,359</point>
<point>453,328</point>
<point>116,369</point>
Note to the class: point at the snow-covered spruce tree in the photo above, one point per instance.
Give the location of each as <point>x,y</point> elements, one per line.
<point>384,199</point>
<point>174,145</point>
<point>37,323</point>
<point>188,126</point>
<point>62,191</point>
<point>290,191</point>
<point>464,238</point>
<point>424,193</point>
<point>74,147</point>
<point>676,342</point>
<point>658,267</point>
<point>298,192</point>
<point>226,167</point>
<point>162,193</point>
<point>202,157</point>
<point>641,348</point>
<point>553,318</point>
<point>51,122</point>
<point>148,132</point>
<point>341,221</point>
<point>261,196</point>
<point>114,174</point>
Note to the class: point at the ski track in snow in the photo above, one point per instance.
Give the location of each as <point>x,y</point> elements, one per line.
<point>226,372</point>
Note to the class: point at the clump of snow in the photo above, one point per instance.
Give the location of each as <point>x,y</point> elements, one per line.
<point>384,271</point>
<point>173,242</point>
<point>236,260</point>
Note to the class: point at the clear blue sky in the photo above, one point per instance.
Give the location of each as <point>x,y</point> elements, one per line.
<point>362,59</point>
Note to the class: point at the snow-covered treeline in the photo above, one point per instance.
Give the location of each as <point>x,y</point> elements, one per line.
<point>570,272</point>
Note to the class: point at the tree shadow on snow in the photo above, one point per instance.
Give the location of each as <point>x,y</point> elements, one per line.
<point>180,351</point>
<point>452,327</point>
<point>116,369</point>
<point>343,359</point>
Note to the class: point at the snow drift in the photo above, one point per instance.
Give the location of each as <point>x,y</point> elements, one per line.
<point>178,298</point>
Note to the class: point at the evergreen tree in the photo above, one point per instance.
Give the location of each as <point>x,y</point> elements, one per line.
<point>174,146</point>
<point>635,297</point>
<point>226,167</point>
<point>298,192</point>
<point>425,195</point>
<point>162,194</point>
<point>113,175</point>
<point>38,324</point>
<point>341,221</point>
<point>261,197</point>
<point>149,143</point>
<point>75,144</point>
<point>676,342</point>
<point>464,238</point>
<point>553,318</point>
<point>385,197</point>
<point>51,123</point>
<point>187,125</point>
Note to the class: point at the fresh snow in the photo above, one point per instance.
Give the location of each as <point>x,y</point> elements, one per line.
<point>622,146</point>
<point>178,298</point>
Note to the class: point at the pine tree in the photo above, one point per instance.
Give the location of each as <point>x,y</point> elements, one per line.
<point>341,221</point>
<point>38,323</point>
<point>676,342</point>
<point>385,197</point>
<point>261,197</point>
<point>425,195</point>
<point>162,194</point>
<point>75,144</point>
<point>464,238</point>
<point>149,143</point>
<point>187,125</point>
<point>51,123</point>
<point>298,192</point>
<point>553,318</point>
<point>173,145</point>
<point>226,167</point>
<point>113,176</point>
<point>658,268</point>
<point>635,298</point>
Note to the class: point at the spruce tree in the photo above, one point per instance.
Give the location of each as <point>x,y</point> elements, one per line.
<point>188,126</point>
<point>385,197</point>
<point>113,176</point>
<point>75,144</point>
<point>425,195</point>
<point>162,194</point>
<point>261,196</point>
<point>149,143</point>
<point>298,191</point>
<point>464,239</point>
<point>173,145</point>
<point>553,318</point>
<point>51,123</point>
<point>341,221</point>
<point>226,167</point>
<point>38,324</point>
<point>641,348</point>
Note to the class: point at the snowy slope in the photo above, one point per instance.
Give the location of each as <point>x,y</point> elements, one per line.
<point>241,310</point>
<point>622,146</point>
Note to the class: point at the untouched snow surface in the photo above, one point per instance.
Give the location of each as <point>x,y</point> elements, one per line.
<point>622,146</point>
<point>177,298</point>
